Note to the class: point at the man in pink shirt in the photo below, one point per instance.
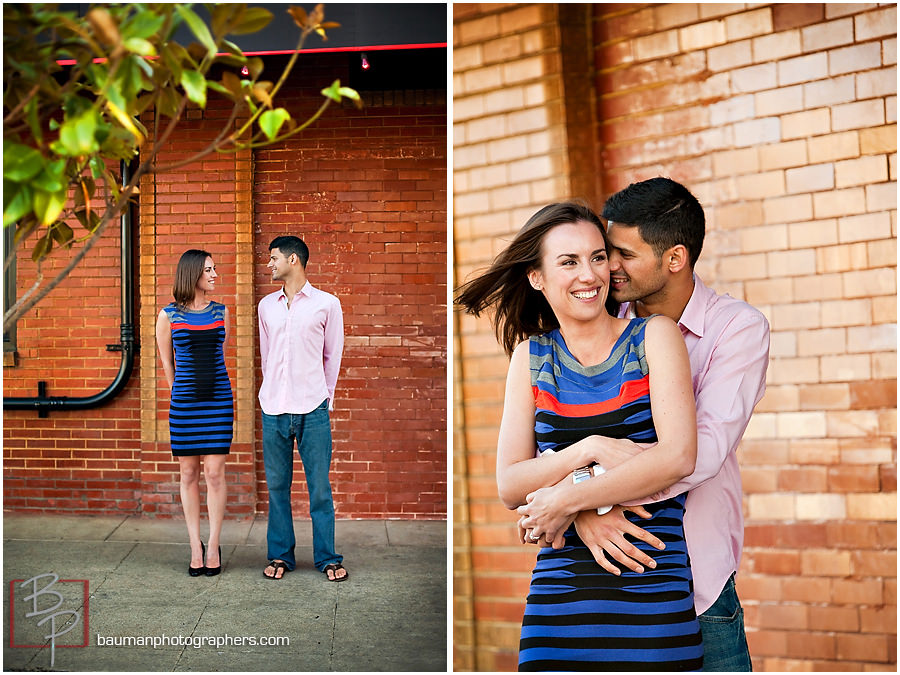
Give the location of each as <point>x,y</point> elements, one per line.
<point>301,338</point>
<point>655,230</point>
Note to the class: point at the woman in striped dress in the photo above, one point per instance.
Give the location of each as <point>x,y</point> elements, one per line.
<point>191,334</point>
<point>577,371</point>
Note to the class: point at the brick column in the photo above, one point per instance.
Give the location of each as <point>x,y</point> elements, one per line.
<point>511,157</point>
<point>208,205</point>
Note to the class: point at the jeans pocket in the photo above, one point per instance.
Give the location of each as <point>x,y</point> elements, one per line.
<point>725,643</point>
<point>714,617</point>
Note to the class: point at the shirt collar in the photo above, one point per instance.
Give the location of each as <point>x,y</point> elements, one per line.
<point>693,318</point>
<point>306,290</point>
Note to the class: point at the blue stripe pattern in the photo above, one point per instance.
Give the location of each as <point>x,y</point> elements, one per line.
<point>578,616</point>
<point>201,412</point>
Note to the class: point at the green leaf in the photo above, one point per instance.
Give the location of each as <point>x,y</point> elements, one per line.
<point>97,167</point>
<point>234,50</point>
<point>118,144</point>
<point>167,103</point>
<point>24,228</point>
<point>144,65</point>
<point>230,60</point>
<point>215,86</point>
<point>194,86</point>
<point>271,120</point>
<point>48,205</point>
<point>142,25</point>
<point>129,82</point>
<point>139,46</point>
<point>198,28</point>
<point>20,202</point>
<point>332,92</point>
<point>252,20</point>
<point>88,220</point>
<point>172,58</point>
<point>21,162</point>
<point>52,178</point>
<point>232,83</point>
<point>62,234</point>
<point>42,248</point>
<point>34,123</point>
<point>352,94</point>
<point>77,135</point>
<point>222,15</point>
<point>125,121</point>
<point>335,92</point>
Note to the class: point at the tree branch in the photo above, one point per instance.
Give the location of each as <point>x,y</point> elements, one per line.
<point>113,209</point>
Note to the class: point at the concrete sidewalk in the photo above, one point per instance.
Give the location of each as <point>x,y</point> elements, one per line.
<point>390,615</point>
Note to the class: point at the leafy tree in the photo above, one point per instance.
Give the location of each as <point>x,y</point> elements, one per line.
<point>65,124</point>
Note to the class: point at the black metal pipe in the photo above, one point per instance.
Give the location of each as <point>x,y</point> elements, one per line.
<point>127,344</point>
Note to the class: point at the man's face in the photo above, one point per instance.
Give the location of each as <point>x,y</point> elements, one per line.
<point>279,264</point>
<point>635,271</point>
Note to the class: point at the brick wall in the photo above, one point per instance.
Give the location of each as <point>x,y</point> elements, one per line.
<point>782,120</point>
<point>76,461</point>
<point>368,191</point>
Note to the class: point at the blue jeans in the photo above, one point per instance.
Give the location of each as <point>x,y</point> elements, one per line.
<point>313,434</point>
<point>724,642</point>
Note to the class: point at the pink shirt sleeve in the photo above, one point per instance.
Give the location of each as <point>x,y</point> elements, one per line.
<point>263,336</point>
<point>333,349</point>
<point>727,388</point>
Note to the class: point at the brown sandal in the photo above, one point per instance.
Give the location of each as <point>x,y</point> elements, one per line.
<point>334,567</point>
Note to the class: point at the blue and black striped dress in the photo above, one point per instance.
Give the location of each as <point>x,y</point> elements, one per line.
<point>578,616</point>
<point>202,406</point>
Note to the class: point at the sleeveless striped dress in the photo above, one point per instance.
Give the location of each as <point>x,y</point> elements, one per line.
<point>201,410</point>
<point>578,616</point>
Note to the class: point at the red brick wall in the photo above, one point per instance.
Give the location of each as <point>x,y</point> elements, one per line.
<point>368,192</point>
<point>782,119</point>
<point>76,461</point>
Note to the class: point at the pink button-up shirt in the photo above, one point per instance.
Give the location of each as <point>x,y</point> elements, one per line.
<point>728,346</point>
<point>300,348</point>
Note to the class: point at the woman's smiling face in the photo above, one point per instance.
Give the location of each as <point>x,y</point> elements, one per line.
<point>574,271</point>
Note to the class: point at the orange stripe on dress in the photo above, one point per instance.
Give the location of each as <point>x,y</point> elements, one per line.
<point>631,391</point>
<point>189,326</point>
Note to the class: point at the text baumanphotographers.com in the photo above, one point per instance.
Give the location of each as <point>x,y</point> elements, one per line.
<point>195,641</point>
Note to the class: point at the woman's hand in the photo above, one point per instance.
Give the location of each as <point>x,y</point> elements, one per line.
<point>526,536</point>
<point>543,515</point>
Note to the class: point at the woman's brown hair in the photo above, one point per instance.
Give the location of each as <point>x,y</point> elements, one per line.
<point>187,274</point>
<point>519,310</point>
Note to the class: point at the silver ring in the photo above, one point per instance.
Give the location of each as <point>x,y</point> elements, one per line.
<point>533,538</point>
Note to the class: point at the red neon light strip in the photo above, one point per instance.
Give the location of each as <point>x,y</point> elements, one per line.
<point>322,50</point>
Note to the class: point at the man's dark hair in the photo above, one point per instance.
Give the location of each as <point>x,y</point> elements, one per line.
<point>665,213</point>
<point>288,244</point>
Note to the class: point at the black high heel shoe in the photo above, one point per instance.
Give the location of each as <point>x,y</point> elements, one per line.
<point>197,571</point>
<point>213,571</point>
